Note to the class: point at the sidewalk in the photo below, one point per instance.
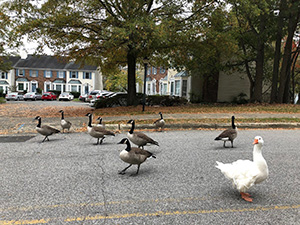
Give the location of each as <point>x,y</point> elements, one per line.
<point>16,125</point>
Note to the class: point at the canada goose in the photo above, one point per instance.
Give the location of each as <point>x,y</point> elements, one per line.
<point>160,123</point>
<point>133,155</point>
<point>44,130</point>
<point>100,124</point>
<point>245,173</point>
<point>139,138</point>
<point>97,132</point>
<point>64,123</point>
<point>229,134</point>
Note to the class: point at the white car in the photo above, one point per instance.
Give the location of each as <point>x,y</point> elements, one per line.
<point>65,96</point>
<point>33,96</point>
<point>14,96</point>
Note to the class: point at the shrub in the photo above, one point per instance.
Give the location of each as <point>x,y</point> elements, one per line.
<point>240,99</point>
<point>57,93</point>
<point>75,93</point>
<point>165,100</point>
<point>39,90</point>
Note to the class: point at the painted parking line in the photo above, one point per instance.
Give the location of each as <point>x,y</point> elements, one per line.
<point>158,213</point>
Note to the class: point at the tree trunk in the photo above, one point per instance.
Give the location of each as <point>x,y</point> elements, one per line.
<point>286,62</point>
<point>259,73</point>
<point>277,54</point>
<point>131,82</point>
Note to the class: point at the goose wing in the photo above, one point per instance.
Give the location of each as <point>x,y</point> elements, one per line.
<point>140,151</point>
<point>103,131</point>
<point>51,130</point>
<point>226,134</point>
<point>146,138</point>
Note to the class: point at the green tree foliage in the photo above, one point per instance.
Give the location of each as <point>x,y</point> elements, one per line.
<point>4,37</point>
<point>108,33</point>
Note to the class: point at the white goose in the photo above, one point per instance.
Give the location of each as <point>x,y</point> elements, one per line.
<point>245,173</point>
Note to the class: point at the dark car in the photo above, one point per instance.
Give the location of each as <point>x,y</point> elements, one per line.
<point>48,96</point>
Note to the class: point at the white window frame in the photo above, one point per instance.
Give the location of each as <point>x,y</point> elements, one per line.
<point>48,73</point>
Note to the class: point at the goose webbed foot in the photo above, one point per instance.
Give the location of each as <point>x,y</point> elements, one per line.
<point>246,196</point>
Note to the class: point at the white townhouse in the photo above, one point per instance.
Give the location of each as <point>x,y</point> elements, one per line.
<point>7,78</point>
<point>55,73</point>
<point>83,79</point>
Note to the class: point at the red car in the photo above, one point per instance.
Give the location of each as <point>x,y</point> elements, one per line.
<point>48,96</point>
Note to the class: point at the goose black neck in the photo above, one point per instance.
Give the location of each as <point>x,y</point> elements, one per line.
<point>39,123</point>
<point>232,123</point>
<point>128,147</point>
<point>132,127</point>
<point>90,121</point>
<point>100,121</point>
<point>62,115</point>
<point>161,117</point>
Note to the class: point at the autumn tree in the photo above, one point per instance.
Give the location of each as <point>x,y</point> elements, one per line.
<point>107,33</point>
<point>4,40</point>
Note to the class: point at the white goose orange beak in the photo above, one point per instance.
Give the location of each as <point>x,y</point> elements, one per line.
<point>255,141</point>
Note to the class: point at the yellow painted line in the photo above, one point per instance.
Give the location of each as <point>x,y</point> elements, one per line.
<point>158,213</point>
<point>16,222</point>
<point>28,208</point>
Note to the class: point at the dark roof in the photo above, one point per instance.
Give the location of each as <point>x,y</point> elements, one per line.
<point>12,59</point>
<point>77,66</point>
<point>51,62</point>
<point>42,62</point>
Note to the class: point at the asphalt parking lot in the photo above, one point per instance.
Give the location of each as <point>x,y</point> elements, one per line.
<point>69,180</point>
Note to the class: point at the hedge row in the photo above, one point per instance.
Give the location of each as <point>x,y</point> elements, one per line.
<point>121,100</point>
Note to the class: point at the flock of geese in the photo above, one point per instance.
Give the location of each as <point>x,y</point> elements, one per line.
<point>242,173</point>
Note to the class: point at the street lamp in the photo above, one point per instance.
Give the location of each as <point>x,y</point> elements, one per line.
<point>145,76</point>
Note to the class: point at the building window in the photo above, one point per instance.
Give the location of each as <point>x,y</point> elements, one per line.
<point>162,70</point>
<point>184,88</point>
<point>58,87</point>
<point>3,75</point>
<point>149,71</point>
<point>153,88</point>
<point>33,73</point>
<point>148,89</point>
<point>177,87</point>
<point>73,88</point>
<point>33,87</point>
<point>21,86</point>
<point>73,74</point>
<point>163,89</point>
<point>172,88</point>
<point>21,72</point>
<point>87,75</point>
<point>154,70</point>
<point>48,74</point>
<point>86,89</point>
<point>60,74</point>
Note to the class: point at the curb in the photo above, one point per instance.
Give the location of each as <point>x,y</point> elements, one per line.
<point>177,126</point>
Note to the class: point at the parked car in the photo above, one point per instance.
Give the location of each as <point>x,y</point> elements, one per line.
<point>93,95</point>
<point>65,96</point>
<point>83,97</point>
<point>48,96</point>
<point>14,96</point>
<point>104,94</point>
<point>32,96</point>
